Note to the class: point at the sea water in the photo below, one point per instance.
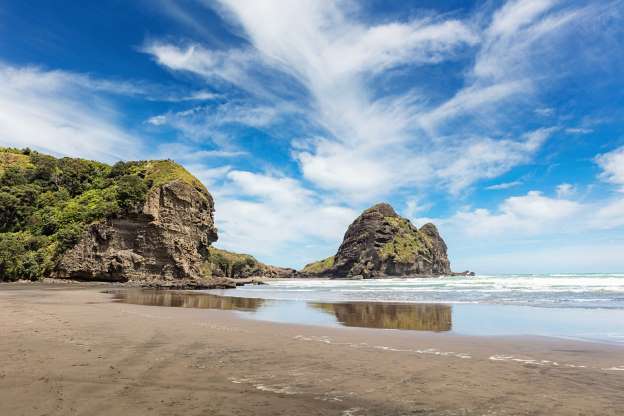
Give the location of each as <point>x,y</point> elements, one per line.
<point>579,306</point>
<point>551,290</point>
<point>575,306</point>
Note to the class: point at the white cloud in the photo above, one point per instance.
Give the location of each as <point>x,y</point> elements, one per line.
<point>535,214</point>
<point>531,217</point>
<point>332,56</point>
<point>319,43</point>
<point>414,206</point>
<point>211,177</point>
<point>68,113</point>
<point>545,111</point>
<point>61,113</point>
<point>612,164</point>
<point>608,215</point>
<point>158,120</point>
<point>472,98</point>
<point>328,61</point>
<point>529,214</point>
<point>517,14</point>
<point>487,158</point>
<point>565,190</point>
<point>268,215</point>
<point>519,31</point>
<point>231,66</point>
<point>578,130</point>
<point>503,185</point>
<point>206,122</point>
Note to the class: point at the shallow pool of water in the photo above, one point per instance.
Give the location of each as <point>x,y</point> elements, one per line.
<point>602,325</point>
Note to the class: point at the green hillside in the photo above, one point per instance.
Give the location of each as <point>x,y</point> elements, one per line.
<point>46,203</point>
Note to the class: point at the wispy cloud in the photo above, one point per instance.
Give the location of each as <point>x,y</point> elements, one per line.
<point>53,112</point>
<point>504,185</point>
<point>364,142</point>
<point>330,57</point>
<point>612,164</point>
<point>565,190</point>
<point>578,130</point>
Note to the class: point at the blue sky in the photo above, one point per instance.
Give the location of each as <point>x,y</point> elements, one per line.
<point>502,122</point>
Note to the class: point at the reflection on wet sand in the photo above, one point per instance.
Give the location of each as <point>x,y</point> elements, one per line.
<point>420,317</point>
<point>187,300</point>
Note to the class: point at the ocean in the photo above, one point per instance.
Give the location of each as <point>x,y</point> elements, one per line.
<point>575,306</point>
<point>593,290</point>
<point>586,307</point>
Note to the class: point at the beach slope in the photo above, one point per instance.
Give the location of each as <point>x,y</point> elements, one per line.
<point>70,351</point>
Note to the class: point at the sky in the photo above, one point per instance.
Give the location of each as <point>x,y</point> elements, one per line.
<point>502,122</point>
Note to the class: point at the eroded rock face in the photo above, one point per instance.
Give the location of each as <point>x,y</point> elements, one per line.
<point>167,240</point>
<point>382,243</point>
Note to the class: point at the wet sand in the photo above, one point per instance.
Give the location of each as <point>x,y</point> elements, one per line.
<point>72,351</point>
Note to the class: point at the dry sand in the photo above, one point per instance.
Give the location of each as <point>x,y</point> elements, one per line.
<point>71,351</point>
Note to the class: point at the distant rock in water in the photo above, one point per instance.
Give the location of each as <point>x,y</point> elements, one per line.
<point>381,243</point>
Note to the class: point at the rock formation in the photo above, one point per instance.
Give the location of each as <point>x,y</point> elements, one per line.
<point>168,239</point>
<point>222,263</point>
<point>147,222</point>
<point>381,243</point>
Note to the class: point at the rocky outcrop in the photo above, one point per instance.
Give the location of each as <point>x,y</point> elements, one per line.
<point>168,239</point>
<point>146,222</point>
<point>319,267</point>
<point>381,243</point>
<point>222,263</point>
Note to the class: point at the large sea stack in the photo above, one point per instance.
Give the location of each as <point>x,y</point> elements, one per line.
<point>381,243</point>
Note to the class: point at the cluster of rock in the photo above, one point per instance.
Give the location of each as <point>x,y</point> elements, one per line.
<point>168,243</point>
<point>381,243</point>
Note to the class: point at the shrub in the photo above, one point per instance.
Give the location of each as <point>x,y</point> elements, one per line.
<point>131,191</point>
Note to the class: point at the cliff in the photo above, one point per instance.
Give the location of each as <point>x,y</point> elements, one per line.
<point>381,243</point>
<point>167,239</point>
<point>146,221</point>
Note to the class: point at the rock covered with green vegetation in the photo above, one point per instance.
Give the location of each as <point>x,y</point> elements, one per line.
<point>80,219</point>
<point>319,267</point>
<point>381,243</point>
<point>222,263</point>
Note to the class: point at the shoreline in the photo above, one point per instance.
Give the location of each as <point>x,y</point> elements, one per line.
<point>77,352</point>
<point>515,320</point>
<point>462,319</point>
